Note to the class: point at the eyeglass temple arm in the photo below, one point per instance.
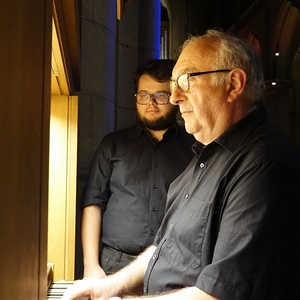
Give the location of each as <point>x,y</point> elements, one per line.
<point>208,72</point>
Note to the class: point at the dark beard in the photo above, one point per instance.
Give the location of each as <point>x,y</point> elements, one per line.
<point>161,123</point>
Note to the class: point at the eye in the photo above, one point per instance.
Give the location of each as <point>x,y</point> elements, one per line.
<point>183,82</point>
<point>143,95</point>
<point>161,96</point>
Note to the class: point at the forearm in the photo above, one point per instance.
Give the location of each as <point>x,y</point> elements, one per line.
<point>90,234</point>
<point>130,279</point>
<point>121,283</point>
<point>189,293</point>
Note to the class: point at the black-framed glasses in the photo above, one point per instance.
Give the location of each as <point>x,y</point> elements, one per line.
<point>160,98</point>
<point>183,81</point>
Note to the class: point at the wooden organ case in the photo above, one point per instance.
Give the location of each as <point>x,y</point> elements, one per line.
<point>63,146</point>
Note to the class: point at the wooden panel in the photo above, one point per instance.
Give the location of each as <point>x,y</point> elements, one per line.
<point>66,17</point>
<point>25,60</point>
<point>59,82</point>
<point>62,186</point>
<point>63,139</point>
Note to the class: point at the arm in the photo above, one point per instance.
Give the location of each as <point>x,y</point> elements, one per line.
<point>90,236</point>
<point>126,281</point>
<point>190,293</point>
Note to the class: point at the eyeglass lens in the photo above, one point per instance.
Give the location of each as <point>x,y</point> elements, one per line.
<point>182,82</point>
<point>160,98</point>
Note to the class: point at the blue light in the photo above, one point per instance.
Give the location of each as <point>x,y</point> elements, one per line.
<point>157,22</point>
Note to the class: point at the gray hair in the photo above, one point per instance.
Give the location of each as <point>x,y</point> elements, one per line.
<point>235,53</point>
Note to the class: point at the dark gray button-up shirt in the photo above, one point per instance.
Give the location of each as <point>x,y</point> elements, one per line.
<point>129,178</point>
<point>232,223</point>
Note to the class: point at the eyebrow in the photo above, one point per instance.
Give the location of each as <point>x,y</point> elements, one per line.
<point>157,92</point>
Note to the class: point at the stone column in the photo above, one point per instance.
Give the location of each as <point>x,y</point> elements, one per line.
<point>139,40</point>
<point>96,107</point>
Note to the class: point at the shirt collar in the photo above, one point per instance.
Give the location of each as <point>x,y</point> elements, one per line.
<point>236,134</point>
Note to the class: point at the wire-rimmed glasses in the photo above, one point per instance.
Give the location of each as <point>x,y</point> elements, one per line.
<point>183,81</point>
<point>160,98</point>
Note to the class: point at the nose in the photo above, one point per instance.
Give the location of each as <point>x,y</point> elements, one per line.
<point>152,100</point>
<point>176,96</point>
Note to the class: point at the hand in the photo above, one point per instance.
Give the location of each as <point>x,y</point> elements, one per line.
<point>94,271</point>
<point>94,288</point>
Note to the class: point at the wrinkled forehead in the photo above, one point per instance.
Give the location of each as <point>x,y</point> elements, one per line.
<point>196,56</point>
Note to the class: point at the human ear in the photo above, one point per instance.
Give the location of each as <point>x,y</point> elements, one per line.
<point>237,81</point>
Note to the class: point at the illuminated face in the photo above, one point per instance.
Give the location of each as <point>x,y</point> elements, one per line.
<point>155,116</point>
<point>203,105</point>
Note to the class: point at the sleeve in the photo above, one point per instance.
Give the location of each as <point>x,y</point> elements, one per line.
<point>257,246</point>
<point>97,188</point>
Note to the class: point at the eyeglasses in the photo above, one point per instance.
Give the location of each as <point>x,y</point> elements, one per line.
<point>160,98</point>
<point>183,81</point>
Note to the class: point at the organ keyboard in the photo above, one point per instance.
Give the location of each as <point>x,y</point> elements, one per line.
<point>57,289</point>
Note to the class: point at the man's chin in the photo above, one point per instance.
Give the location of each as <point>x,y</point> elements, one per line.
<point>189,129</point>
<point>160,124</point>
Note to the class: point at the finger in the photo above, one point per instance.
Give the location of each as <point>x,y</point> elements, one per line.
<point>81,288</point>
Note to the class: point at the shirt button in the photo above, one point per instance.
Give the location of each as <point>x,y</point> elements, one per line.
<point>154,257</point>
<point>152,232</point>
<point>154,209</point>
<point>156,165</point>
<point>145,290</point>
<point>171,226</point>
<point>186,196</point>
<point>155,186</point>
<point>202,165</point>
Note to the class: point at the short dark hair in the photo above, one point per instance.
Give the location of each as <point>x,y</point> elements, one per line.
<point>159,69</point>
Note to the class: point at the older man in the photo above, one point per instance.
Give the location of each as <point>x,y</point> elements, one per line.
<point>231,230</point>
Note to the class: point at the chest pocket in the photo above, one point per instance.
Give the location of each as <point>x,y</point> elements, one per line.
<point>186,236</point>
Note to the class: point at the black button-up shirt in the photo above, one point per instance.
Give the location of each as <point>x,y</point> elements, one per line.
<point>232,221</point>
<point>129,178</point>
